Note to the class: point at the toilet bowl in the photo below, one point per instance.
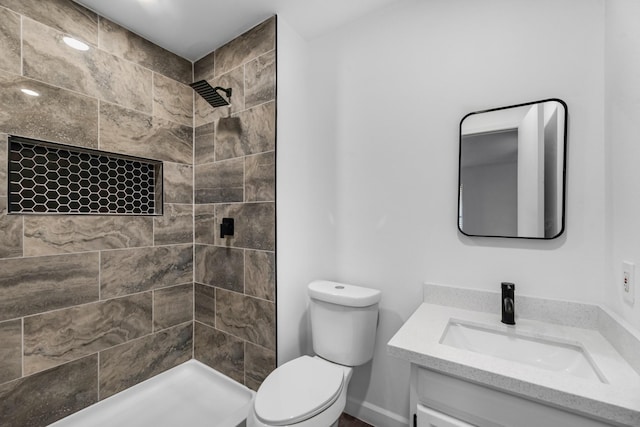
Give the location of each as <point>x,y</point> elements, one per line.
<point>312,391</point>
<point>305,392</point>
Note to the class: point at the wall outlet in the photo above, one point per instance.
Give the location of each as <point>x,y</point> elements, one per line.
<point>628,281</point>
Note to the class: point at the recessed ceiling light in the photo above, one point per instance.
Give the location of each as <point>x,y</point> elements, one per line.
<point>30,92</point>
<point>76,44</point>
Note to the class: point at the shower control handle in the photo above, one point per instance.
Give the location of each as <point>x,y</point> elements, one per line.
<point>226,228</point>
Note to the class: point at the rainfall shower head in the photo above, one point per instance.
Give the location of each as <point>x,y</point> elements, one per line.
<point>210,94</point>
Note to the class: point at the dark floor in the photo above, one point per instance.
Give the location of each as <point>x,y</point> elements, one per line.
<point>347,420</point>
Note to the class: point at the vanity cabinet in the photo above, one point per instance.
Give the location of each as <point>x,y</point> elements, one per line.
<point>439,400</point>
<point>427,417</point>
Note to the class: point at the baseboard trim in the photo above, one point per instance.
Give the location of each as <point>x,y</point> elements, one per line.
<point>374,414</point>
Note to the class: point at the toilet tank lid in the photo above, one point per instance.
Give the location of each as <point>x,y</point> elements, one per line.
<point>343,294</point>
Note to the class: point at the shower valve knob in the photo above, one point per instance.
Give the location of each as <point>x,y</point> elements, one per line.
<point>226,228</point>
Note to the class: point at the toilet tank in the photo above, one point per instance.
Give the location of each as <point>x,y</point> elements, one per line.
<point>344,319</point>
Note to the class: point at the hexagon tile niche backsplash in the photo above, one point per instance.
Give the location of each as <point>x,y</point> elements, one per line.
<point>56,179</point>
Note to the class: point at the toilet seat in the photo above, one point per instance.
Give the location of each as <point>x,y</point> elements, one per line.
<point>298,390</point>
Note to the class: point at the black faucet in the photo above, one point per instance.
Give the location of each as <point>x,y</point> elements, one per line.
<point>508,303</point>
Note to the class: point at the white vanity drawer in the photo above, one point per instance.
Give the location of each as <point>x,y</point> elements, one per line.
<point>486,407</point>
<point>427,417</point>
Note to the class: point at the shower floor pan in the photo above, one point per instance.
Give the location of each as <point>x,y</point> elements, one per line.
<point>191,394</point>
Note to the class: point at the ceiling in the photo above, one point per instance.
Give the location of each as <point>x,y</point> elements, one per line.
<point>193,28</point>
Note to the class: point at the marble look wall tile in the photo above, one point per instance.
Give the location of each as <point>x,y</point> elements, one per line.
<point>10,350</point>
<point>258,363</point>
<point>203,69</point>
<point>60,336</point>
<point>10,232</point>
<point>246,317</point>
<point>130,132</point>
<point>219,182</point>
<point>125,44</point>
<point>174,226</point>
<point>205,129</point>
<point>56,115</point>
<point>45,235</point>
<point>204,219</point>
<point>178,183</point>
<point>129,364</point>
<point>260,80</point>
<point>172,100</point>
<point>255,42</point>
<point>205,304</point>
<point>41,399</point>
<point>10,41</point>
<point>205,145</point>
<point>219,266</point>
<point>128,271</point>
<point>260,177</point>
<point>249,132</point>
<point>220,351</point>
<point>255,225</point>
<point>260,274</point>
<point>35,285</point>
<point>4,149</point>
<point>172,306</point>
<point>64,15</point>
<point>205,113</point>
<point>93,72</point>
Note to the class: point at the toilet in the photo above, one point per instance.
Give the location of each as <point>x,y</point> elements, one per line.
<point>312,391</point>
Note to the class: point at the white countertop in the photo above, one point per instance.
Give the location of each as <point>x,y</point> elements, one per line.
<point>418,341</point>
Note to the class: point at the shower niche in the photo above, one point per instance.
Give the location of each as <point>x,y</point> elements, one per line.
<point>51,178</point>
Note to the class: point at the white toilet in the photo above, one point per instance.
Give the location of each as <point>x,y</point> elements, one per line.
<point>312,391</point>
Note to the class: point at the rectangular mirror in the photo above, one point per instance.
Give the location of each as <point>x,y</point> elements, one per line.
<point>512,171</point>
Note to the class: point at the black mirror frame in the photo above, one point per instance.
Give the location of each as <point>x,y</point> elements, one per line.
<point>564,168</point>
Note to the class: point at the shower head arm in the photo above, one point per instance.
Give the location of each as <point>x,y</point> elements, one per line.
<point>226,91</point>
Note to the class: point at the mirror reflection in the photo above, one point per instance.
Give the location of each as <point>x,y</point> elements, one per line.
<point>511,172</point>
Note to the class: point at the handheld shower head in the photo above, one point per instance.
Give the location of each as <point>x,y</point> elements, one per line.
<point>210,94</point>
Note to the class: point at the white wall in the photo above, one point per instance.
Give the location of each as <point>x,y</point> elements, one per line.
<point>623,142</point>
<point>305,194</point>
<point>386,94</point>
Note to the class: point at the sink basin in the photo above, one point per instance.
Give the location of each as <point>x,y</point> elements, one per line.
<point>511,345</point>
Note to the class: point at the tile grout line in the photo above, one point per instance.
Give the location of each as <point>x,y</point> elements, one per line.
<point>153,311</point>
<point>22,347</point>
<point>99,130</point>
<point>100,301</point>
<point>235,292</point>
<point>97,45</point>
<point>21,46</point>
<point>153,95</point>
<point>97,98</point>
<point>23,230</point>
<point>193,213</point>
<point>99,275</point>
<point>99,48</point>
<point>244,340</point>
<point>153,228</point>
<point>68,254</point>
<point>99,375</point>
<point>99,33</point>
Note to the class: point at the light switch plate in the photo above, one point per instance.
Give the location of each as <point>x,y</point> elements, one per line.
<point>628,281</point>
